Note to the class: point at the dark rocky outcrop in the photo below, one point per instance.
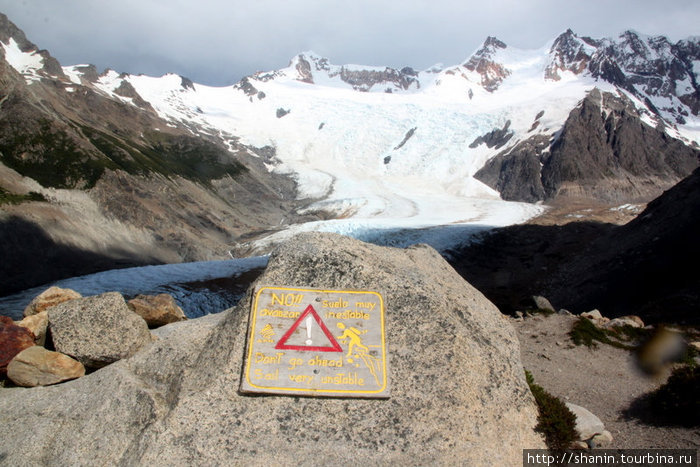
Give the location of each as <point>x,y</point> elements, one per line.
<point>516,174</point>
<point>603,152</point>
<point>496,138</point>
<point>646,267</point>
<point>125,89</point>
<point>406,137</point>
<point>364,80</point>
<point>458,388</point>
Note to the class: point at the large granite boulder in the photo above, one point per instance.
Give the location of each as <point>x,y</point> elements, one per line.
<point>458,391</point>
<point>97,330</point>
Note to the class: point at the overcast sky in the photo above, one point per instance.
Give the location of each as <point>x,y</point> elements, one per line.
<point>217,42</point>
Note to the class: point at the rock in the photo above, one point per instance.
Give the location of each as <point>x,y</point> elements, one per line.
<point>592,158</point>
<point>542,303</point>
<point>48,298</point>
<point>578,445</point>
<point>600,440</point>
<point>564,312</point>
<point>593,315</point>
<point>36,366</point>
<point>37,324</point>
<point>458,389</point>
<point>695,345</point>
<point>634,321</point>
<point>13,340</point>
<point>97,330</point>
<point>157,310</point>
<point>587,424</point>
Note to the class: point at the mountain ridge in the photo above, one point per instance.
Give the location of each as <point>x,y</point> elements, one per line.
<point>181,171</point>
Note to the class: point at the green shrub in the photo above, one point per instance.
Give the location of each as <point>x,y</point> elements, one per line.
<point>689,357</point>
<point>13,198</point>
<point>58,156</point>
<point>555,421</point>
<point>584,332</point>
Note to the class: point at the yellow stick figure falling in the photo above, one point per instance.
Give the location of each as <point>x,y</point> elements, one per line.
<point>353,335</point>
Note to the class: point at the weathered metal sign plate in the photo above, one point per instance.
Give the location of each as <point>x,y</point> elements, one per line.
<point>316,342</point>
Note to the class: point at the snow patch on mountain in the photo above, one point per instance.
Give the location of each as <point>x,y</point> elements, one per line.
<point>27,64</point>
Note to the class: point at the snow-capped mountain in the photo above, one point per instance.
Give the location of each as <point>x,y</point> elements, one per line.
<point>370,151</point>
<point>345,131</point>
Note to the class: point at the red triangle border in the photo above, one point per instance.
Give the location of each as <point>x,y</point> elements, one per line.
<point>282,344</point>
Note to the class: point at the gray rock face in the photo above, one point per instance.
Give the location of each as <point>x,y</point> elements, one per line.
<point>97,330</point>
<point>459,394</point>
<point>604,152</point>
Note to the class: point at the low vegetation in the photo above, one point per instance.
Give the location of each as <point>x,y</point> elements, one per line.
<point>584,332</point>
<point>76,156</point>
<point>50,156</point>
<point>13,198</point>
<point>555,421</point>
<point>627,337</point>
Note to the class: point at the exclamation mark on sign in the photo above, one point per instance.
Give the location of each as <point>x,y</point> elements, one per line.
<point>309,323</point>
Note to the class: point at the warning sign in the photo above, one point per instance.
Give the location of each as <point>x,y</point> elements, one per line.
<point>316,342</point>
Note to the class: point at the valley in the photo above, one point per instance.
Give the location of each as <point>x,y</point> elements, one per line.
<point>500,217</point>
<point>117,170</point>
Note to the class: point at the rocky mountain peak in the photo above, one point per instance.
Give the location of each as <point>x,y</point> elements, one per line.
<point>8,30</point>
<point>485,64</point>
<point>15,48</point>
<point>312,68</point>
<point>650,67</point>
<point>568,53</point>
<point>492,44</point>
<point>306,63</point>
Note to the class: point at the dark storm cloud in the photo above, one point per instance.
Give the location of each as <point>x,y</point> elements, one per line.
<point>218,42</point>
